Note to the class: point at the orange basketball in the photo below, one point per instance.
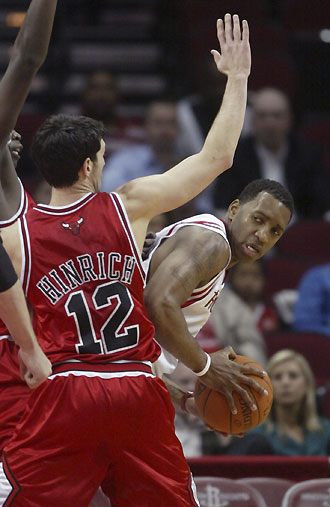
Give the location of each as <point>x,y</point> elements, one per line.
<point>214,409</point>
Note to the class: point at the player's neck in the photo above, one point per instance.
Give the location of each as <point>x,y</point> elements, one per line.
<point>66,196</point>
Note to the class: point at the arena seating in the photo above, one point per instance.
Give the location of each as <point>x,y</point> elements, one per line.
<point>213,491</point>
<point>272,489</point>
<point>313,493</point>
<point>306,241</point>
<point>298,468</point>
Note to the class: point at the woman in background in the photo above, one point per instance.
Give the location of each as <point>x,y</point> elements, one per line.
<point>293,425</point>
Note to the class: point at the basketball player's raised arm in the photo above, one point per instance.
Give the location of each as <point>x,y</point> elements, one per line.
<point>160,193</point>
<point>193,262</point>
<point>28,54</point>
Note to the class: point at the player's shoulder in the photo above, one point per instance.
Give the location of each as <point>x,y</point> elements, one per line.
<point>201,225</point>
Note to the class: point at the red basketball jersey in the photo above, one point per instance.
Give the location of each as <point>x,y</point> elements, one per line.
<point>26,203</point>
<point>13,389</point>
<point>83,275</point>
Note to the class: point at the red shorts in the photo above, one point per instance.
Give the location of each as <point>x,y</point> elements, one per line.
<point>77,430</point>
<point>14,392</point>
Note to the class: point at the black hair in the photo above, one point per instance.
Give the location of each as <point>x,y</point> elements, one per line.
<point>273,188</point>
<point>62,144</point>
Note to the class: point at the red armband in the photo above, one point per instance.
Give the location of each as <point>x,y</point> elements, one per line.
<point>184,398</point>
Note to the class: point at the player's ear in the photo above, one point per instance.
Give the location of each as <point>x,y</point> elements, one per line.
<point>233,209</point>
<point>86,168</point>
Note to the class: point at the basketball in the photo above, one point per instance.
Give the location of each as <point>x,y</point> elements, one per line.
<point>214,409</point>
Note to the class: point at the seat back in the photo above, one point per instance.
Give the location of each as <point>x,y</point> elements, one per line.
<point>220,492</point>
<point>272,489</point>
<point>307,241</point>
<point>314,347</point>
<point>314,493</point>
<point>284,273</point>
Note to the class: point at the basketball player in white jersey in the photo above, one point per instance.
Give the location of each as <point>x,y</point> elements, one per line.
<point>187,266</point>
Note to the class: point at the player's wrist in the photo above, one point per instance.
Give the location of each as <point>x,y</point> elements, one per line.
<point>206,366</point>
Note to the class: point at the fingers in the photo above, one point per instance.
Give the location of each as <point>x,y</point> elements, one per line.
<point>236,28</point>
<point>228,352</point>
<point>230,401</point>
<point>30,380</point>
<point>216,56</point>
<point>246,31</point>
<point>251,370</point>
<point>254,385</point>
<point>220,32</point>
<point>230,29</point>
<point>14,135</point>
<point>22,370</point>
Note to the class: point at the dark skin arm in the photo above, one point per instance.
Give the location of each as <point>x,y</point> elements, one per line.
<point>193,258</point>
<point>29,53</point>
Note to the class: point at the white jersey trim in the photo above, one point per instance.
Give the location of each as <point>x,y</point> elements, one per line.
<point>26,254</point>
<point>5,487</point>
<point>23,204</point>
<point>207,221</point>
<point>130,235</point>
<point>102,374</point>
<point>6,337</point>
<point>69,208</point>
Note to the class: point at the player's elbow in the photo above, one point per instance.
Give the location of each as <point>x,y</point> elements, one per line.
<point>217,162</point>
<point>159,305</point>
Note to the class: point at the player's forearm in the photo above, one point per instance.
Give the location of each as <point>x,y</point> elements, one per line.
<point>173,335</point>
<point>222,139</point>
<point>14,313</point>
<point>29,52</point>
<point>32,42</point>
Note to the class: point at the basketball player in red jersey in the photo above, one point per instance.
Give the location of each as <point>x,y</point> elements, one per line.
<point>15,389</point>
<point>29,53</point>
<point>103,411</point>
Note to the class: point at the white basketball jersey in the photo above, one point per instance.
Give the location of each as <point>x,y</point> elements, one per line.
<point>198,307</point>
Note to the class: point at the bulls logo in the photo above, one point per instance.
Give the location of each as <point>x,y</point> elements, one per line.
<point>74,227</point>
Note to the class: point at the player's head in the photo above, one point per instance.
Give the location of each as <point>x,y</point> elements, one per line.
<point>100,96</point>
<point>161,125</point>
<point>271,117</point>
<point>248,280</point>
<point>66,148</point>
<point>294,387</point>
<point>258,218</point>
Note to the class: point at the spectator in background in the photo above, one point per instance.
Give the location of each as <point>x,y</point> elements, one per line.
<point>275,152</point>
<point>156,156</point>
<point>196,111</point>
<point>293,425</point>
<point>248,282</point>
<point>100,100</point>
<point>312,309</point>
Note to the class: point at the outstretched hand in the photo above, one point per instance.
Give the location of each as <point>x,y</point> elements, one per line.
<point>227,376</point>
<point>234,57</point>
